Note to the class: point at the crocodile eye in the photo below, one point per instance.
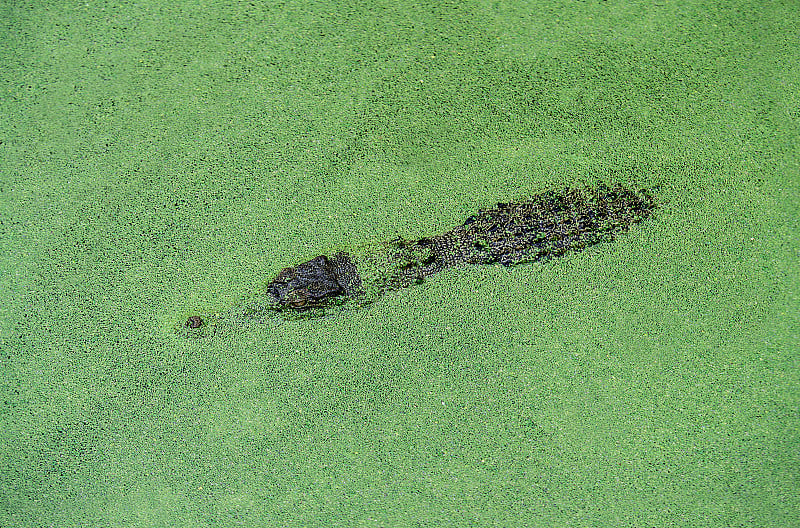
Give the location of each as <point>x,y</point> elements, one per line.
<point>298,298</point>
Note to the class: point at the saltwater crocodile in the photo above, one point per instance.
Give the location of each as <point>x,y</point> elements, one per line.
<point>543,226</point>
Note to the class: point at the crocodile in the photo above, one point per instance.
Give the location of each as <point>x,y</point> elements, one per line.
<point>543,226</point>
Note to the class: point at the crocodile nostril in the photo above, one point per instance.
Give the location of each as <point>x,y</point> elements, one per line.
<point>194,321</point>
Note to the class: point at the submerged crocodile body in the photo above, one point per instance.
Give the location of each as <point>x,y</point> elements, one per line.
<point>543,226</point>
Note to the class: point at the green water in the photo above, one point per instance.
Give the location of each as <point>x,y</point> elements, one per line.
<point>161,161</point>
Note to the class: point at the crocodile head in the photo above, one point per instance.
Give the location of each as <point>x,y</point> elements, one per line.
<point>308,285</point>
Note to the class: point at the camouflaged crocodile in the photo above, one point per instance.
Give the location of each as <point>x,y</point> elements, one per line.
<point>543,226</point>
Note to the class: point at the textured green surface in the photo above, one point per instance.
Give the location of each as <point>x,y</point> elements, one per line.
<point>158,161</point>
